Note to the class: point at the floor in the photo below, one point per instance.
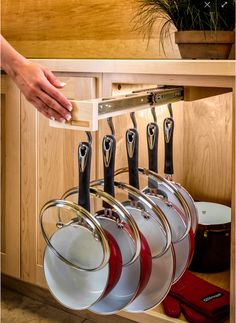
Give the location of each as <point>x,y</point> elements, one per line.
<point>16,308</point>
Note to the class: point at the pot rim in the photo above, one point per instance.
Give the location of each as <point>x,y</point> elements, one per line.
<point>205,36</point>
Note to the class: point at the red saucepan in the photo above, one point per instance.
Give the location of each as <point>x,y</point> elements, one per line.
<point>175,217</point>
<point>163,262</point>
<point>163,265</point>
<point>84,165</point>
<point>76,259</point>
<point>168,128</point>
<point>72,272</point>
<point>136,256</point>
<point>185,247</point>
<point>135,276</point>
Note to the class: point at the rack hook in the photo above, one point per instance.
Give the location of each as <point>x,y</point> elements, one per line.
<point>89,136</point>
<point>170,110</point>
<point>153,110</point>
<point>111,125</point>
<point>133,118</point>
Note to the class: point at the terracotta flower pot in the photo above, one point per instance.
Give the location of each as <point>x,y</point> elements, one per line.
<point>205,44</point>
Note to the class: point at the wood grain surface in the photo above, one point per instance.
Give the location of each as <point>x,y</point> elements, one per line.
<point>122,123</point>
<point>207,148</point>
<point>48,168</point>
<point>152,316</point>
<point>43,295</point>
<point>80,29</point>
<point>202,143</point>
<point>10,178</point>
<point>3,173</point>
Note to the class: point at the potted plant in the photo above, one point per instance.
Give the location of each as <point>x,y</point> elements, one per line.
<point>205,29</point>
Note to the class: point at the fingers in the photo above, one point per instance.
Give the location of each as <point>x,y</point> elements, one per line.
<point>47,111</point>
<point>40,108</point>
<point>56,95</point>
<point>54,105</point>
<point>39,86</point>
<point>52,79</point>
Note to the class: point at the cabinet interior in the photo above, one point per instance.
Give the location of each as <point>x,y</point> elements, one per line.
<point>202,150</point>
<point>202,142</point>
<point>44,162</point>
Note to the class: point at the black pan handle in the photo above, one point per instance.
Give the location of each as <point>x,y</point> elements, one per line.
<point>152,142</point>
<point>108,152</point>
<point>84,163</point>
<point>168,128</point>
<point>132,144</point>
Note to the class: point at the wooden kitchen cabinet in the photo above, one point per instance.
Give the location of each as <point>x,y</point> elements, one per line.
<point>38,163</point>
<point>48,165</point>
<point>10,178</point>
<point>48,169</point>
<point>204,161</point>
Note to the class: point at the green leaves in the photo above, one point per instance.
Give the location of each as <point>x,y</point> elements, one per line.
<point>185,15</point>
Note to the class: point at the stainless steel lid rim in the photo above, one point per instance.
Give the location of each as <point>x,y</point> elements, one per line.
<point>156,177</point>
<point>86,216</point>
<point>149,203</point>
<point>78,307</point>
<point>120,210</point>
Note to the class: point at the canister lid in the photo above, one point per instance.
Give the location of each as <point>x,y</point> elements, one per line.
<point>213,213</point>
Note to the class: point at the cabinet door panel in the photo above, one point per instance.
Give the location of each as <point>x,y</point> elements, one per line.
<point>208,142</point>
<point>49,168</point>
<point>10,178</point>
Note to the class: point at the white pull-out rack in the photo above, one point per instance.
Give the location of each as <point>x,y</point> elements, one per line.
<point>86,113</point>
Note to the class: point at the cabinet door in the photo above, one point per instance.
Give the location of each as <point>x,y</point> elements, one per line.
<point>49,168</point>
<point>10,177</point>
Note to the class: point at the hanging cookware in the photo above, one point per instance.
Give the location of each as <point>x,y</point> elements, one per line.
<point>136,201</point>
<point>163,266</point>
<point>134,277</point>
<point>183,248</point>
<point>159,240</point>
<point>77,249</point>
<point>84,166</point>
<point>136,255</point>
<point>76,259</point>
<point>212,240</point>
<point>168,128</point>
<point>173,214</point>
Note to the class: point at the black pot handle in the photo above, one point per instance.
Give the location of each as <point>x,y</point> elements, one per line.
<point>152,143</point>
<point>132,144</point>
<point>108,152</point>
<point>84,164</point>
<point>168,128</point>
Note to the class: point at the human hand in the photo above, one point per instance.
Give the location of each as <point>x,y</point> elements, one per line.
<point>36,82</point>
<point>39,86</point>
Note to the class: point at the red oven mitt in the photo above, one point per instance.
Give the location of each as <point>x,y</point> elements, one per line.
<point>202,297</point>
<point>173,308</point>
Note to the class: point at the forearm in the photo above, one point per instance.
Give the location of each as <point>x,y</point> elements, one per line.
<point>37,83</point>
<point>10,58</point>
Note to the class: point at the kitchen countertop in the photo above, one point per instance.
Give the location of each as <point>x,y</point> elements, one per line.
<point>160,67</point>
